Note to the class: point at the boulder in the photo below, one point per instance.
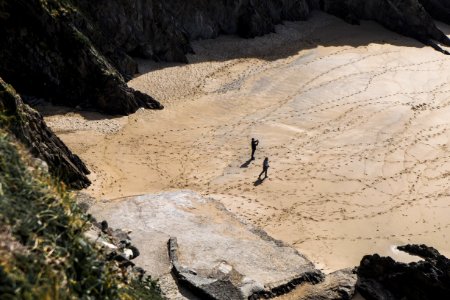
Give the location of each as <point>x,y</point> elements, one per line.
<point>383,278</point>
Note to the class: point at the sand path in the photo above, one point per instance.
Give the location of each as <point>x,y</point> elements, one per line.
<point>356,130</point>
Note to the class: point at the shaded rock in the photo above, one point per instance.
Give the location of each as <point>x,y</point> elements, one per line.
<point>135,251</point>
<point>407,17</point>
<point>46,52</point>
<point>253,22</point>
<point>384,278</point>
<point>438,9</point>
<point>104,226</point>
<point>142,27</point>
<point>78,52</point>
<point>29,127</point>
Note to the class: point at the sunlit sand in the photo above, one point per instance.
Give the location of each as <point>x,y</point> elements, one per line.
<point>354,120</point>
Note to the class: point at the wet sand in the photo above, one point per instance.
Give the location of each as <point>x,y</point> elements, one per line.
<point>354,120</point>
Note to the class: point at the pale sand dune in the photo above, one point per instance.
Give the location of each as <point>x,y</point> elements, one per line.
<point>358,164</point>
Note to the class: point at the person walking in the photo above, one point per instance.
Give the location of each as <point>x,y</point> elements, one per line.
<point>254,144</point>
<point>265,168</point>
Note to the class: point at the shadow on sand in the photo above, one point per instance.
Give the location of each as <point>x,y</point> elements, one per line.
<point>321,30</point>
<point>259,181</point>
<point>247,163</point>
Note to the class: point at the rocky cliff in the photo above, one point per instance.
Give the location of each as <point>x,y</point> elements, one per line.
<point>412,18</point>
<point>46,52</point>
<point>28,126</point>
<point>79,52</point>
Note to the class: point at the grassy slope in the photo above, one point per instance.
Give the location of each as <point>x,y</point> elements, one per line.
<point>43,254</point>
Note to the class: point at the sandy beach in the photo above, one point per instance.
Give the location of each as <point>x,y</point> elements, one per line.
<point>354,121</point>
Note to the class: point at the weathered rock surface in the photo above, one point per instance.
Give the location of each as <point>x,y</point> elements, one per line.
<point>29,127</point>
<point>339,285</point>
<point>45,52</point>
<point>117,249</point>
<point>224,282</point>
<point>438,9</point>
<point>407,17</point>
<point>77,52</point>
<point>383,278</point>
<point>219,255</point>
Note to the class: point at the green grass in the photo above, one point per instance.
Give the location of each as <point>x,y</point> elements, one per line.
<point>43,253</point>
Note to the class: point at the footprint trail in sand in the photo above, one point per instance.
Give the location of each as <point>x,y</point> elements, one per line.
<point>357,133</point>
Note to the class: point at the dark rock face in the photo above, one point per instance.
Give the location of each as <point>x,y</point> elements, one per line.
<point>45,53</point>
<point>383,278</point>
<point>29,127</point>
<point>161,30</point>
<point>141,27</point>
<point>77,52</point>
<point>407,17</point>
<point>438,9</point>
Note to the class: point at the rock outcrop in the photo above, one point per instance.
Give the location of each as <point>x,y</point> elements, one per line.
<point>339,285</point>
<point>215,256</point>
<point>78,52</point>
<point>383,278</point>
<point>438,9</point>
<point>224,282</point>
<point>408,17</point>
<point>46,52</point>
<point>29,127</point>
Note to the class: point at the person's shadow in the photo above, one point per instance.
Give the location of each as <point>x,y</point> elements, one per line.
<point>259,181</point>
<point>246,164</point>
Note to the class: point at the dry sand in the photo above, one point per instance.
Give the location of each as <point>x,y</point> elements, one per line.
<point>354,120</point>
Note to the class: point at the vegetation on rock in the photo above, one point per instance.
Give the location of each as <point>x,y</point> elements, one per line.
<point>43,253</point>
<point>28,126</point>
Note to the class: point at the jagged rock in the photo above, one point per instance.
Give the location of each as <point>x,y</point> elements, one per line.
<point>141,27</point>
<point>438,9</point>
<point>29,127</point>
<point>339,285</point>
<point>407,17</point>
<point>46,52</point>
<point>384,278</point>
<point>77,52</point>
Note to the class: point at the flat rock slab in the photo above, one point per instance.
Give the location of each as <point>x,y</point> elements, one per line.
<point>213,246</point>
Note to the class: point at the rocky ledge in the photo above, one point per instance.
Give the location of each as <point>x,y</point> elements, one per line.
<point>224,282</point>
<point>382,278</point>
<point>215,255</point>
<point>28,126</point>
